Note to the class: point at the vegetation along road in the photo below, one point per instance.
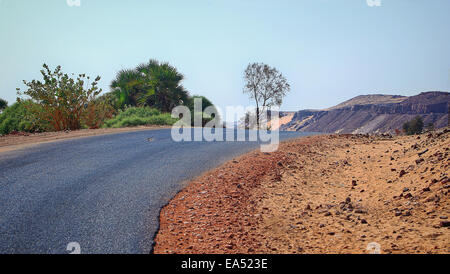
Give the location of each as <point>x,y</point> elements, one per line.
<point>103,192</point>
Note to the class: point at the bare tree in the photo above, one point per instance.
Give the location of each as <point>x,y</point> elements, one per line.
<point>266,85</point>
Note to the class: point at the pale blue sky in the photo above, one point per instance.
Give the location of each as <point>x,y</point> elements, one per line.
<point>330,50</point>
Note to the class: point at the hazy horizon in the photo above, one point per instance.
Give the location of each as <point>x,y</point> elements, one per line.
<point>330,51</point>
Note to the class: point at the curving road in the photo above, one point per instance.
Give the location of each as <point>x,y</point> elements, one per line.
<point>103,192</point>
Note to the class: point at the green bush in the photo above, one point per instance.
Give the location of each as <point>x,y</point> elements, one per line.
<point>18,117</point>
<point>415,126</point>
<point>135,116</point>
<point>63,101</point>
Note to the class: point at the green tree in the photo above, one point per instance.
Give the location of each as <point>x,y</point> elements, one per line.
<point>415,126</point>
<point>61,100</point>
<point>151,84</point>
<point>3,104</point>
<point>205,104</point>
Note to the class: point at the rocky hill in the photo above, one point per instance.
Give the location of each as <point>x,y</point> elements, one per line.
<point>373,113</point>
<point>371,99</point>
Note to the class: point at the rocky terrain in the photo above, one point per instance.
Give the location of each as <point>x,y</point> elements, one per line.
<point>374,99</point>
<point>373,114</point>
<point>321,194</point>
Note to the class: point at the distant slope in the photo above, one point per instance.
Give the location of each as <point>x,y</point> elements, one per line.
<point>371,100</point>
<point>373,113</point>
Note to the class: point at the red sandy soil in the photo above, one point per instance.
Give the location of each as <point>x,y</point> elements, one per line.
<point>20,140</point>
<point>321,194</point>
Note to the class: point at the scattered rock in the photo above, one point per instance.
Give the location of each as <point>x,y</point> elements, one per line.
<point>407,196</point>
<point>232,203</point>
<point>360,211</point>
<point>423,152</point>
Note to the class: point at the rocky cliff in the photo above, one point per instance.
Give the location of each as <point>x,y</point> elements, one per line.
<point>373,113</point>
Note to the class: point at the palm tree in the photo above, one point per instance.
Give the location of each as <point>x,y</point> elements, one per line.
<point>126,87</point>
<point>151,84</point>
<point>165,90</point>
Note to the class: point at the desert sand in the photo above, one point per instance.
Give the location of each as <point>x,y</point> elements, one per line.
<point>320,194</point>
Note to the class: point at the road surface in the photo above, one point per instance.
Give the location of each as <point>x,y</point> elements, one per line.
<point>103,192</point>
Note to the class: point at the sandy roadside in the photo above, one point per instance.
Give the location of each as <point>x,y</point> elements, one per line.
<point>23,140</point>
<point>320,194</point>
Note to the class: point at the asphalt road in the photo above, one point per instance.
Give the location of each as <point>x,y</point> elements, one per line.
<point>103,192</point>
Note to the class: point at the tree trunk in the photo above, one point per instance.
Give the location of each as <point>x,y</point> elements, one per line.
<point>257,117</point>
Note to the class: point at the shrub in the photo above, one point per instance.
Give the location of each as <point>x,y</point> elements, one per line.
<point>415,126</point>
<point>134,116</point>
<point>18,118</point>
<point>97,111</point>
<point>62,100</point>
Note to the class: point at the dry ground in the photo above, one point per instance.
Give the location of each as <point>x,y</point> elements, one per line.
<point>21,140</point>
<point>321,194</point>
